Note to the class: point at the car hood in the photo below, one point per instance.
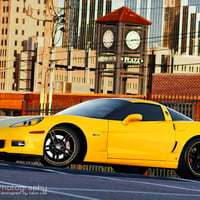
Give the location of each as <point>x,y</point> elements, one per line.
<point>9,121</point>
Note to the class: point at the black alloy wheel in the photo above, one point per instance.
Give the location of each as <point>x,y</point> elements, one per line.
<point>189,163</point>
<point>61,147</point>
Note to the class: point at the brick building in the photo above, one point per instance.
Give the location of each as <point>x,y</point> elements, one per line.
<point>176,84</point>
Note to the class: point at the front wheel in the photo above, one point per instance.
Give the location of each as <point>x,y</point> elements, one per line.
<point>61,147</point>
<point>189,163</point>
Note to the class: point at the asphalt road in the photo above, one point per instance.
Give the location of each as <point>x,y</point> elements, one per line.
<point>19,181</point>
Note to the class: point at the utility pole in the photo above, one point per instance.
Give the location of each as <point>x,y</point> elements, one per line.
<point>172,61</point>
<point>151,71</point>
<point>46,55</point>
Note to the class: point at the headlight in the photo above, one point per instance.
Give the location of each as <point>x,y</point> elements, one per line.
<point>28,122</point>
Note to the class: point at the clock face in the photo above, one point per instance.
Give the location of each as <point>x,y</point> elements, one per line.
<point>108,38</point>
<point>133,40</point>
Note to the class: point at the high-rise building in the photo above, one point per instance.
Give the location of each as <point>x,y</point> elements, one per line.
<point>19,20</point>
<point>189,27</point>
<point>152,10</point>
<point>84,13</point>
<point>175,23</point>
<point>182,26</point>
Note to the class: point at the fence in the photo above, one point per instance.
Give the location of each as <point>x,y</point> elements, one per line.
<point>188,105</point>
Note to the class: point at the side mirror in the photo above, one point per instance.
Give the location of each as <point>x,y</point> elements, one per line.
<point>131,118</point>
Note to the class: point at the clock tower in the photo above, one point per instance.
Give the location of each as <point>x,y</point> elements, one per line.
<point>121,42</point>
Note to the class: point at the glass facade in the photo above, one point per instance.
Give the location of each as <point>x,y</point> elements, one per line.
<point>152,10</point>
<point>174,22</point>
<point>84,16</point>
<point>194,3</point>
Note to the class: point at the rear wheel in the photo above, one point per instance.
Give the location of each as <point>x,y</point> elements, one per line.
<point>129,169</point>
<point>61,147</point>
<point>189,163</point>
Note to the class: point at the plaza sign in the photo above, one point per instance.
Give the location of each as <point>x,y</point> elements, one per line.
<point>127,60</point>
<point>132,60</point>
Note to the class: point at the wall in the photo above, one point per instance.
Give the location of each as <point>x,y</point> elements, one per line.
<point>179,84</point>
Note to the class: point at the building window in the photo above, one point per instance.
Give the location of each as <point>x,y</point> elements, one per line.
<point>17,9</point>
<point>15,42</point>
<point>16,32</point>
<point>17,20</point>
<point>38,22</point>
<point>3,20</point>
<point>2,31</point>
<point>15,52</point>
<point>22,32</point>
<point>23,21</point>
<point>37,33</point>
<point>6,20</point>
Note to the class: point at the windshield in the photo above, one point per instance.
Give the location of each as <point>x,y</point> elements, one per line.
<point>98,108</point>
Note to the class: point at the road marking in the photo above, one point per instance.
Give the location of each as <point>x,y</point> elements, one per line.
<point>154,184</point>
<point>124,191</point>
<point>115,179</point>
<point>35,168</point>
<point>146,183</point>
<point>4,164</point>
<point>42,169</point>
<point>187,180</point>
<point>51,190</point>
<point>54,192</point>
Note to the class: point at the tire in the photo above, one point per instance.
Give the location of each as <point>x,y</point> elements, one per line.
<point>129,169</point>
<point>61,147</point>
<point>189,162</point>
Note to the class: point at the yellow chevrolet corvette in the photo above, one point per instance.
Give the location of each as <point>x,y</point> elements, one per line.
<point>129,134</point>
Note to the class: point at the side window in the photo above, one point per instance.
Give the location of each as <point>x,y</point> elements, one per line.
<point>149,112</point>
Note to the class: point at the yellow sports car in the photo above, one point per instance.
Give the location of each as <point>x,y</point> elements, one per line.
<point>129,134</point>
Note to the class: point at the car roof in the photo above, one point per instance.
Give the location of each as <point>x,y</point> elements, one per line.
<point>134,100</point>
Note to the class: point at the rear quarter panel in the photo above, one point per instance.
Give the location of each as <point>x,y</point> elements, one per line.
<point>184,132</point>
